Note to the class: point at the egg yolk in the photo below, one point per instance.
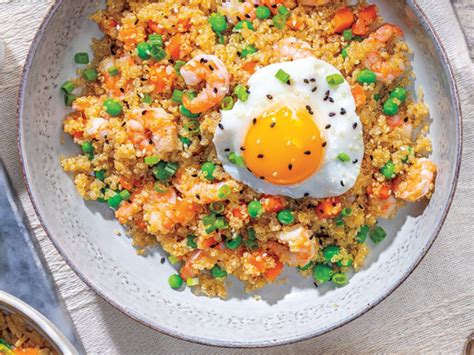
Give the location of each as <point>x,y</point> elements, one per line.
<point>283,146</point>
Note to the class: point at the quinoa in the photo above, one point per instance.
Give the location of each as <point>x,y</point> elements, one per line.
<point>163,212</point>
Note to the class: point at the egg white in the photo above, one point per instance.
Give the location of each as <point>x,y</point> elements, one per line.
<point>344,135</point>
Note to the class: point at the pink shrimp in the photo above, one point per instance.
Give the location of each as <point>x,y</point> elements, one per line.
<point>297,249</point>
<point>292,48</point>
<point>207,68</point>
<point>236,11</point>
<point>418,181</point>
<point>153,130</point>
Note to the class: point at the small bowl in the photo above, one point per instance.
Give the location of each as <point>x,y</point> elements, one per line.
<point>38,322</point>
<point>83,232</point>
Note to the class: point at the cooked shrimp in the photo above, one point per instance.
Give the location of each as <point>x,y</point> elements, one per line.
<point>385,70</point>
<point>292,48</point>
<point>153,130</point>
<point>207,68</point>
<point>116,85</point>
<point>298,249</point>
<point>418,182</point>
<point>236,11</point>
<point>199,191</point>
<point>406,128</point>
<point>197,261</point>
<point>97,127</point>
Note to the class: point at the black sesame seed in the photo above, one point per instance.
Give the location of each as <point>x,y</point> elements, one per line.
<point>306,194</point>
<point>124,123</point>
<point>272,124</point>
<point>342,183</point>
<point>242,148</point>
<point>247,91</point>
<point>331,100</point>
<point>343,111</point>
<point>122,90</point>
<point>361,207</point>
<point>314,89</point>
<point>324,144</point>
<point>405,119</point>
<point>274,6</point>
<point>371,157</point>
<point>254,121</point>
<point>308,152</point>
<point>310,110</point>
<point>221,126</point>
<point>194,175</point>
<point>260,156</point>
<point>198,196</point>
<point>315,284</point>
<point>306,81</point>
<point>262,177</point>
<point>162,260</point>
<point>328,126</point>
<point>215,90</point>
<point>202,61</point>
<point>354,125</point>
<point>312,80</point>
<point>290,166</point>
<point>355,161</point>
<point>332,114</point>
<point>249,170</point>
<point>211,67</point>
<point>238,18</point>
<point>334,204</point>
<point>270,97</point>
<point>289,82</point>
<point>227,150</point>
<point>247,15</point>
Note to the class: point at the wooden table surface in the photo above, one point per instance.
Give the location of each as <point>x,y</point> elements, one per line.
<point>465,11</point>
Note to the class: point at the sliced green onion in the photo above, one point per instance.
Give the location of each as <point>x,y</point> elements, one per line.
<point>306,267</point>
<point>217,207</point>
<point>175,281</point>
<point>279,21</point>
<point>68,87</point>
<point>125,194</point>
<point>100,174</point>
<point>224,192</point>
<point>159,188</point>
<point>81,58</point>
<point>388,170</point>
<point>157,53</point>
<point>340,279</point>
<point>335,79</point>
<point>241,92</point>
<point>177,96</point>
<point>90,74</point>
<point>69,99</point>
<point>217,272</point>
<point>378,234</point>
<point>113,71</point>
<point>173,259</point>
<point>192,126</point>
<point>114,201</point>
<point>209,219</point>
<point>377,97</point>
<point>339,221</point>
<point>236,159</point>
<point>362,234</point>
<point>251,240</point>
<point>346,212</point>
<point>347,34</point>
<point>178,65</point>
<point>344,52</point>
<point>208,168</point>
<point>283,10</point>
<point>155,39</point>
<point>330,252</point>
<point>234,242</point>
<point>192,281</point>
<point>345,263</point>
<point>283,76</point>
<point>185,112</point>
<point>147,99</point>
<point>191,241</point>
<point>255,209</point>
<point>164,171</point>
<point>221,223</point>
<point>186,141</point>
<point>248,51</point>
<point>343,157</point>
<point>227,103</point>
<point>152,160</point>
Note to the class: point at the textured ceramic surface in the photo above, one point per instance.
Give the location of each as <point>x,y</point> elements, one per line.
<point>83,231</point>
<point>37,321</point>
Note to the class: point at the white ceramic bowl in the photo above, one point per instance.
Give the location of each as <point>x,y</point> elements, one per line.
<point>83,232</point>
<point>38,322</point>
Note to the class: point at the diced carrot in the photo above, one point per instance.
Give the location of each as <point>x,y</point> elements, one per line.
<point>249,67</point>
<point>162,77</point>
<point>207,243</point>
<point>237,212</point>
<point>295,23</point>
<point>126,184</point>
<point>343,19</point>
<point>359,95</point>
<point>329,208</point>
<point>274,272</point>
<point>394,121</point>
<point>183,24</point>
<point>272,203</point>
<point>365,17</point>
<point>141,224</point>
<point>27,351</point>
<point>175,47</point>
<point>384,191</point>
<point>78,134</point>
<point>257,260</point>
<point>155,28</point>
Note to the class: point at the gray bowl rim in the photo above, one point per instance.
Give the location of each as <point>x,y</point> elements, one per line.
<point>456,102</point>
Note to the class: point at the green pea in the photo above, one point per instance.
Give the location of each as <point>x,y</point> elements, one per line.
<point>255,209</point>
<point>285,217</point>
<point>144,50</point>
<point>366,76</point>
<point>345,263</point>
<point>100,174</point>
<point>217,272</point>
<point>208,168</point>
<point>344,52</point>
<point>335,79</point>
<point>330,252</point>
<point>263,12</point>
<point>388,170</point>
<point>399,93</point>
<point>244,24</point>
<point>234,242</point>
<point>390,107</point>
<point>87,148</point>
<point>218,23</point>
<point>248,51</point>
<point>322,273</point>
<point>175,281</point>
<point>347,34</point>
<point>113,107</point>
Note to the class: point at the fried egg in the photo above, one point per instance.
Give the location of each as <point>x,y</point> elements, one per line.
<point>297,139</point>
